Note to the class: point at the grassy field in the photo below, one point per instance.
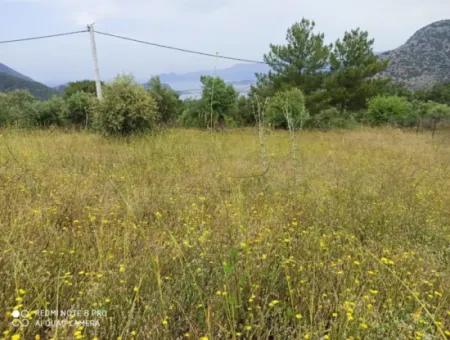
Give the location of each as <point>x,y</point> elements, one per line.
<point>187,234</point>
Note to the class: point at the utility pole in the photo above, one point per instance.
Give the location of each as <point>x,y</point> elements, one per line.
<point>98,83</point>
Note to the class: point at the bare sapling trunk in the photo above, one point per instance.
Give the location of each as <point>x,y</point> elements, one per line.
<point>294,147</point>
<point>259,116</point>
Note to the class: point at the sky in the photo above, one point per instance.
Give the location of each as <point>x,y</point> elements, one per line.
<point>241,28</point>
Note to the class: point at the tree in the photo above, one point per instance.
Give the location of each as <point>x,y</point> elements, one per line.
<point>390,109</point>
<point>80,106</point>
<point>86,86</point>
<point>301,62</point>
<point>126,108</point>
<point>245,111</point>
<point>332,118</point>
<point>16,108</point>
<point>435,113</point>
<point>194,114</point>
<point>52,112</point>
<point>287,109</point>
<point>169,103</point>
<point>219,101</point>
<point>439,93</point>
<point>353,67</point>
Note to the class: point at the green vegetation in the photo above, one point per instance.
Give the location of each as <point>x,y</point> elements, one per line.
<point>319,85</point>
<point>187,234</point>
<point>243,234</point>
<point>287,108</point>
<point>126,108</point>
<point>389,109</point>
<point>85,86</point>
<point>168,101</point>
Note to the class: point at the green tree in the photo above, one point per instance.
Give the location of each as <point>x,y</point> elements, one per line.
<point>194,114</point>
<point>126,108</point>
<point>169,103</point>
<point>245,111</point>
<point>52,112</point>
<point>218,102</point>
<point>439,93</point>
<point>333,118</point>
<point>80,106</point>
<point>301,63</point>
<point>17,108</point>
<point>390,109</point>
<point>353,67</point>
<point>287,108</point>
<point>435,113</point>
<point>86,86</point>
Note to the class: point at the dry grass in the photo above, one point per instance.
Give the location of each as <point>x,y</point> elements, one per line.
<point>183,234</point>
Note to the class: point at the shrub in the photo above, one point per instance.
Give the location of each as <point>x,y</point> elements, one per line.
<point>219,101</point>
<point>216,108</point>
<point>332,118</point>
<point>16,108</point>
<point>86,86</point>
<point>287,104</point>
<point>194,114</point>
<point>52,112</point>
<point>169,103</point>
<point>390,109</point>
<point>79,106</point>
<point>245,111</point>
<point>432,114</point>
<point>126,108</point>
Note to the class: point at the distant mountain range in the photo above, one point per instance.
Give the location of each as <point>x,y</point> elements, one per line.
<point>12,80</point>
<point>241,76</point>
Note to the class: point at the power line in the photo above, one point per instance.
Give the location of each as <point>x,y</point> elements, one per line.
<point>181,49</point>
<point>184,50</point>
<point>42,37</point>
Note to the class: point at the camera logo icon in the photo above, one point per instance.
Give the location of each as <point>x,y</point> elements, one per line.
<point>20,318</point>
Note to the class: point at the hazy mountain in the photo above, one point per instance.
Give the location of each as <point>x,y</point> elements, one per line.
<point>11,80</point>
<point>242,76</point>
<point>424,59</point>
<point>11,72</point>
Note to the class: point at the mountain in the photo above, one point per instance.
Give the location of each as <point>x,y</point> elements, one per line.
<point>11,72</point>
<point>241,76</point>
<point>11,80</point>
<point>424,60</point>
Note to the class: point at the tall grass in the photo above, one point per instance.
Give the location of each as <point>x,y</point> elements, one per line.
<point>173,235</point>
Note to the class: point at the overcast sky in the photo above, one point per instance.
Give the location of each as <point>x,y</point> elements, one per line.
<point>242,28</point>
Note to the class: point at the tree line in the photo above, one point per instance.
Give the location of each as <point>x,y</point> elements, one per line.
<point>310,84</point>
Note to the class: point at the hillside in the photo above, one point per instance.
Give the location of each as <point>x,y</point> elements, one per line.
<point>11,80</point>
<point>424,59</point>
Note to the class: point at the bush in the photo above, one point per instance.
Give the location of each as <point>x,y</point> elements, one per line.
<point>245,111</point>
<point>431,114</point>
<point>126,108</point>
<point>52,112</point>
<point>86,86</point>
<point>287,104</point>
<point>16,108</point>
<point>168,101</point>
<point>194,114</point>
<point>332,118</point>
<point>79,106</point>
<point>390,109</point>
<point>218,101</point>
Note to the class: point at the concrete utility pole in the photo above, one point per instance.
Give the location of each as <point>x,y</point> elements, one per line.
<point>98,82</point>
